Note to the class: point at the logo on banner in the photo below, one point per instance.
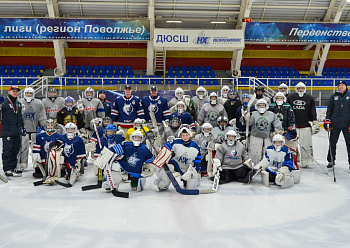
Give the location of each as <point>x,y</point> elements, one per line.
<point>202,39</point>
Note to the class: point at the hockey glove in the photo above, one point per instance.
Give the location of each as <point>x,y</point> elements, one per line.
<point>188,175</point>
<point>291,135</point>
<point>2,99</point>
<point>327,125</point>
<point>233,122</point>
<point>315,127</point>
<point>249,163</point>
<point>216,165</point>
<point>56,145</point>
<point>24,130</point>
<point>148,170</point>
<point>282,173</point>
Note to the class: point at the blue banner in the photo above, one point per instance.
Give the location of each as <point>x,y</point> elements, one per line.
<point>73,29</point>
<point>297,32</point>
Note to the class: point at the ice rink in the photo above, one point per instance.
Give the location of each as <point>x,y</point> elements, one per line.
<point>314,213</point>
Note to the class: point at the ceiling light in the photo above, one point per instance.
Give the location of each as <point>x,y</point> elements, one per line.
<point>174,21</point>
<point>217,22</point>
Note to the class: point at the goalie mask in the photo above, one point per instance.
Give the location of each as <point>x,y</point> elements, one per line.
<point>179,92</point>
<point>69,103</point>
<point>245,99</point>
<point>224,91</point>
<point>106,120</point>
<point>180,107</point>
<point>259,92</point>
<point>213,98</point>
<point>278,142</point>
<point>71,130</point>
<point>201,92</point>
<point>52,94</point>
<point>261,106</point>
<point>138,124</point>
<point>232,95</point>
<point>185,129</point>
<point>206,129</point>
<point>222,122</point>
<point>50,126</point>
<point>110,131</point>
<point>89,93</point>
<point>283,88</point>
<point>29,94</point>
<point>279,98</point>
<point>136,137</point>
<point>175,123</point>
<point>231,137</point>
<point>300,89</point>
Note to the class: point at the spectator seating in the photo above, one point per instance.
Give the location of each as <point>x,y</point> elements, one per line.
<point>20,74</point>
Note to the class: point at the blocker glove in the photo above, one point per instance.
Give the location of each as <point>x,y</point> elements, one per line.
<point>327,125</point>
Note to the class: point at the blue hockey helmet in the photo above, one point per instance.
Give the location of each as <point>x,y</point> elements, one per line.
<point>69,99</point>
<point>110,131</point>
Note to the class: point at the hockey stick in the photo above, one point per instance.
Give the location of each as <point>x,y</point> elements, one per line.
<point>308,153</point>
<point>4,179</point>
<point>115,192</point>
<point>248,121</point>
<point>176,184</point>
<point>332,160</point>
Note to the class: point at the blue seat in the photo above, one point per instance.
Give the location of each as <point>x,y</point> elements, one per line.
<point>202,68</point>
<point>177,68</point>
<point>243,68</point>
<point>128,68</point>
<point>40,67</point>
<point>121,68</point>
<point>14,67</point>
<point>209,68</point>
<point>273,68</point>
<point>261,68</point>
<point>196,68</point>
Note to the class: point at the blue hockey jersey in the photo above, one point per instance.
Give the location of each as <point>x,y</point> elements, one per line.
<point>184,156</point>
<point>109,143</point>
<point>185,118</point>
<point>73,149</point>
<point>277,159</point>
<point>42,143</point>
<point>101,132</point>
<point>159,106</point>
<point>125,111</point>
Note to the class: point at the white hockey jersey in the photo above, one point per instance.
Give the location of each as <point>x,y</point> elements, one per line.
<point>92,109</point>
<point>203,142</point>
<point>198,103</point>
<point>263,124</point>
<point>221,133</point>
<point>231,157</point>
<point>210,113</point>
<point>33,114</point>
<point>52,107</point>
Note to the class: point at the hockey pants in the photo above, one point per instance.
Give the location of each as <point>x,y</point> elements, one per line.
<point>242,174</point>
<point>305,139</point>
<point>257,148</point>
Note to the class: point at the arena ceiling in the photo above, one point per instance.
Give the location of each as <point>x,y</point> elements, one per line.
<point>191,14</point>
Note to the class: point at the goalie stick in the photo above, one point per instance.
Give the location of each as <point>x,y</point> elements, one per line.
<point>176,184</point>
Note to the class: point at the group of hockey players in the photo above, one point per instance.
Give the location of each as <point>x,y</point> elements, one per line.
<point>205,136</point>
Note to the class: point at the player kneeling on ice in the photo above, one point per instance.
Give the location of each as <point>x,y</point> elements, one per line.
<point>231,159</point>
<point>185,160</point>
<point>277,165</point>
<point>133,157</point>
<point>68,151</point>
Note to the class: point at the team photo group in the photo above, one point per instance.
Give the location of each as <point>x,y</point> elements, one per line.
<point>223,137</point>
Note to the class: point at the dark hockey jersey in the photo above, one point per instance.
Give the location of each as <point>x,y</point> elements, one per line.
<point>42,143</point>
<point>284,113</point>
<point>64,116</point>
<point>185,118</point>
<point>109,143</point>
<point>304,109</point>
<point>73,149</point>
<point>125,111</point>
<point>158,106</point>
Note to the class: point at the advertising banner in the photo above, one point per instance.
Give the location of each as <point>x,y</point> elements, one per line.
<point>73,29</point>
<point>297,32</point>
<point>199,39</point>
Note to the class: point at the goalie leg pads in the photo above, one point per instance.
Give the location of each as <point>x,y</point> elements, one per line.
<point>288,182</point>
<point>194,182</point>
<point>265,178</point>
<point>53,165</point>
<point>116,180</point>
<point>140,184</point>
<point>148,170</point>
<point>297,175</point>
<point>163,181</point>
<point>103,159</point>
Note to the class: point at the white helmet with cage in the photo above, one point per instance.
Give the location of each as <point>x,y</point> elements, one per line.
<point>280,138</point>
<point>180,110</point>
<point>231,133</point>
<point>184,129</point>
<point>298,86</point>
<point>137,137</point>
<point>71,130</point>
<point>260,109</point>
<point>279,98</point>
<point>179,93</point>
<point>138,124</point>
<point>283,86</point>
<point>206,129</point>
<point>29,94</point>
<point>213,102</point>
<point>224,91</point>
<point>201,89</point>
<point>89,93</point>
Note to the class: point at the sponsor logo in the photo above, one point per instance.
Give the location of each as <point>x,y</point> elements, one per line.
<point>202,39</point>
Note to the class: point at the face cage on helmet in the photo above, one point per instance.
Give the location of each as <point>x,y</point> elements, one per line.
<point>136,142</point>
<point>110,136</point>
<point>70,135</point>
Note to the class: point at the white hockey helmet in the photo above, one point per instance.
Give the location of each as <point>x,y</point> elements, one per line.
<point>224,91</point>
<point>201,89</point>
<point>71,130</point>
<point>184,129</point>
<point>213,102</point>
<point>179,92</point>
<point>91,93</point>
<point>180,110</point>
<point>138,124</point>
<point>220,119</point>
<point>29,94</point>
<point>275,138</point>
<point>284,87</point>
<point>261,110</point>
<point>279,98</point>
<point>231,142</point>
<point>134,137</point>
<point>205,128</point>
<point>300,85</point>
<point>50,126</point>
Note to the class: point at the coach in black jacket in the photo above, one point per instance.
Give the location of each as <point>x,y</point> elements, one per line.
<point>12,127</point>
<point>338,119</point>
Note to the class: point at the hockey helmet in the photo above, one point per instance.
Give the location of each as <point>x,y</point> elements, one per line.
<point>71,130</point>
<point>181,109</point>
<point>179,92</point>
<point>300,89</point>
<point>175,123</point>
<point>213,102</point>
<point>276,138</point>
<point>245,98</point>
<point>279,98</point>
<point>206,129</point>
<point>283,88</point>
<point>222,119</point>
<point>67,104</point>
<point>89,93</point>
<point>185,129</point>
<point>137,137</point>
<point>50,126</point>
<point>232,95</point>
<point>110,131</point>
<point>52,94</point>
<point>224,91</point>
<point>29,94</point>
<point>106,120</point>
<point>259,88</point>
<point>228,138</point>
<point>138,124</point>
<point>261,109</point>
<point>201,89</point>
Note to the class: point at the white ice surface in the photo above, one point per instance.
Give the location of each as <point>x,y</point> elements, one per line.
<point>314,213</point>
